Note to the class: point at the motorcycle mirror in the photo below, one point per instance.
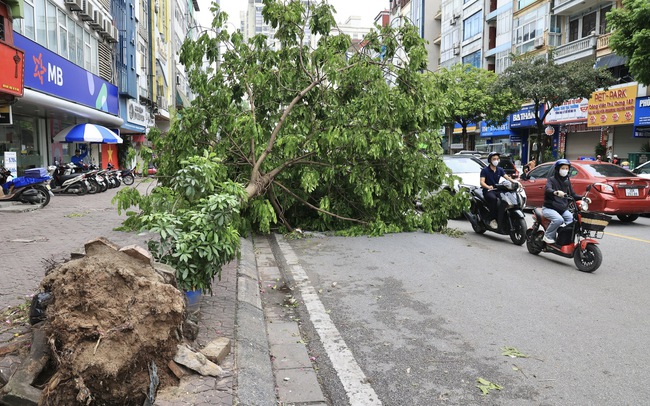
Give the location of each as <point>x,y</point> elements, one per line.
<point>588,188</point>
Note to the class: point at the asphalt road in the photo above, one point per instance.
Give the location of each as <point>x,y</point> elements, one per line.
<point>426,315</point>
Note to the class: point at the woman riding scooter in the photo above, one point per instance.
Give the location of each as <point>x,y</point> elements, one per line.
<point>556,205</point>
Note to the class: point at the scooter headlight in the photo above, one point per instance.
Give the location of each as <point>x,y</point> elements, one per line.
<point>584,206</point>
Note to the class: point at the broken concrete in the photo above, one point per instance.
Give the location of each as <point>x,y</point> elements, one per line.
<point>197,362</point>
<point>19,389</point>
<point>217,350</point>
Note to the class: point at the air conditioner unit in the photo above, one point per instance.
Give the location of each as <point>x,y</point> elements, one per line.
<point>74,5</point>
<point>86,13</point>
<point>106,28</point>
<point>456,16</point>
<point>116,34</point>
<point>539,42</point>
<point>98,20</point>
<point>452,21</point>
<point>456,48</point>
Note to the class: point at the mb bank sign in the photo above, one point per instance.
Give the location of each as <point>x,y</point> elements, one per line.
<point>50,73</point>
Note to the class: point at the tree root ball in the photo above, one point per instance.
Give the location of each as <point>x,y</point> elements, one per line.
<point>111,317</point>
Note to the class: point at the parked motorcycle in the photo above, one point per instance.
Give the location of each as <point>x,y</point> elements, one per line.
<point>24,189</point>
<point>74,183</point>
<point>510,215</point>
<point>126,176</point>
<point>576,240</point>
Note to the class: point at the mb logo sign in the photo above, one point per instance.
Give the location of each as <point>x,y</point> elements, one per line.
<point>54,73</point>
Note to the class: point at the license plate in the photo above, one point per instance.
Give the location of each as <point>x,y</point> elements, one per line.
<point>631,192</point>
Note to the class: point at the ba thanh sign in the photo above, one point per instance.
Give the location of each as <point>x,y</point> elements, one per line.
<point>612,107</point>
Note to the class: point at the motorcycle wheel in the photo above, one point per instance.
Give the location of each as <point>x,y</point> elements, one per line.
<point>518,233</point>
<point>478,228</point>
<point>43,195</point>
<point>103,186</point>
<point>94,187</point>
<point>627,218</point>
<point>531,245</point>
<point>128,179</point>
<point>80,189</point>
<point>589,259</point>
<point>118,183</point>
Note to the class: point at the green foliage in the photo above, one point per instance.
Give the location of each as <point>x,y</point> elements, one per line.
<point>545,83</point>
<point>631,36</point>
<point>326,138</point>
<point>476,97</point>
<point>195,219</point>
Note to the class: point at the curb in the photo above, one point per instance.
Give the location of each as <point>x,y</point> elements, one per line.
<point>255,380</point>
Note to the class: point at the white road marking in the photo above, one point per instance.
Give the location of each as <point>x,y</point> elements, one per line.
<point>352,377</point>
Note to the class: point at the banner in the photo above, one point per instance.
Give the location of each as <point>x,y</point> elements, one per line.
<point>11,163</point>
<point>612,106</point>
<point>570,111</point>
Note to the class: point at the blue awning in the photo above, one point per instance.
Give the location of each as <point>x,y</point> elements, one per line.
<point>610,61</point>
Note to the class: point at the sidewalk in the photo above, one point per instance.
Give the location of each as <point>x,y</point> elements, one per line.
<point>265,341</point>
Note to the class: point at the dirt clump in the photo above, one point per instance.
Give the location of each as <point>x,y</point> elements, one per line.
<point>112,324</point>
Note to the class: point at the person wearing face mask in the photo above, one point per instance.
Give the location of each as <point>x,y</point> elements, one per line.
<point>490,176</point>
<point>556,205</point>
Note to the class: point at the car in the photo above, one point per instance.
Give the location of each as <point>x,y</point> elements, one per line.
<point>466,167</point>
<point>615,190</point>
<point>643,170</point>
<point>506,163</point>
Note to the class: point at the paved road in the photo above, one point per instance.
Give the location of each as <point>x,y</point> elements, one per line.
<point>426,315</point>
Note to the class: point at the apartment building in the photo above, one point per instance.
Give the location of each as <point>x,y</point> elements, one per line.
<point>112,63</point>
<point>484,33</point>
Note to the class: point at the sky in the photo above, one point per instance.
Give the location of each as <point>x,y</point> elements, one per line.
<point>366,9</point>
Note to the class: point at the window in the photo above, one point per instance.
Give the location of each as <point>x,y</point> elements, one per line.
<point>603,19</point>
<point>2,29</point>
<point>588,24</point>
<point>523,3</point>
<point>502,60</point>
<point>41,25</point>
<point>63,34</point>
<point>72,43</point>
<point>52,43</point>
<point>473,59</point>
<point>573,30</point>
<point>472,25</point>
<point>28,21</point>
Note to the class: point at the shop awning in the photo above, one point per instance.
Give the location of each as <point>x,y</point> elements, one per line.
<point>610,61</point>
<point>181,99</point>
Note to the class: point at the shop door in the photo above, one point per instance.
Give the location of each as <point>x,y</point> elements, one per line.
<point>582,144</point>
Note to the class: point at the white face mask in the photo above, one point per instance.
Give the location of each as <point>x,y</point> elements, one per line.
<point>495,162</point>
<point>564,172</point>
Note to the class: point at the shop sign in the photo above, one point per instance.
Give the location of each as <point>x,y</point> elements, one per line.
<point>642,112</point>
<point>6,117</point>
<point>570,111</point>
<point>11,163</point>
<point>12,62</point>
<point>612,106</point>
<point>489,130</point>
<point>136,113</point>
<point>458,129</point>
<point>525,117</point>
<point>50,73</point>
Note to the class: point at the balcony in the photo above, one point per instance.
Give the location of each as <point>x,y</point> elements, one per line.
<point>603,45</point>
<point>571,7</point>
<point>575,50</point>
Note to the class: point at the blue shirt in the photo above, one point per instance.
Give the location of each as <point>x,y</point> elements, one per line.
<point>77,159</point>
<point>492,177</point>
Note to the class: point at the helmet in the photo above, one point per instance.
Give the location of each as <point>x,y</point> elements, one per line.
<point>561,162</point>
<point>491,154</point>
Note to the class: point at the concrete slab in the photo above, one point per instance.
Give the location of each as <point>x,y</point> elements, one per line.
<point>298,386</point>
<point>283,332</point>
<point>249,292</point>
<point>289,356</point>
<point>269,273</point>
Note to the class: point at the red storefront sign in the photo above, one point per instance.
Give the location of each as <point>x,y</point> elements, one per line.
<point>12,68</point>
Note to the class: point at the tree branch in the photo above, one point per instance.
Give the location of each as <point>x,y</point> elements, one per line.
<point>317,208</point>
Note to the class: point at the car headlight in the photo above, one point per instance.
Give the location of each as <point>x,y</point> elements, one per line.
<point>584,205</point>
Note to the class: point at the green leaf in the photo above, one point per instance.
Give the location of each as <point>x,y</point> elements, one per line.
<point>486,386</point>
<point>512,352</point>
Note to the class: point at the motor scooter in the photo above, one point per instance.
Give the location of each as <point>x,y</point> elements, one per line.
<point>74,183</point>
<point>125,176</point>
<point>510,215</point>
<point>576,240</point>
<point>24,189</point>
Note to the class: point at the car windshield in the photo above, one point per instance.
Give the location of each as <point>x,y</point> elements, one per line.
<point>463,165</point>
<point>607,171</point>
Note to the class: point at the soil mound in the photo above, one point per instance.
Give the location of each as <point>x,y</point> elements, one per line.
<point>112,327</point>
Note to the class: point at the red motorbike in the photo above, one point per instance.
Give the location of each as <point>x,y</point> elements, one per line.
<point>576,240</point>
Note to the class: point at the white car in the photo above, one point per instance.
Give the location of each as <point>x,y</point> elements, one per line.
<point>643,170</point>
<point>466,167</point>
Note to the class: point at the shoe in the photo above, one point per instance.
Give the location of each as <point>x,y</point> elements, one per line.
<point>494,224</point>
<point>548,240</point>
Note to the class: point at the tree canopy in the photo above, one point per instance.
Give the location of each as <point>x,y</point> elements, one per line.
<point>476,97</point>
<point>321,133</point>
<point>541,81</point>
<point>631,36</point>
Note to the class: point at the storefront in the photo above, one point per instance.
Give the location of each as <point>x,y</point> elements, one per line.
<point>499,138</point>
<point>57,94</point>
<point>137,121</point>
<point>524,129</point>
<point>612,118</point>
<point>575,139</point>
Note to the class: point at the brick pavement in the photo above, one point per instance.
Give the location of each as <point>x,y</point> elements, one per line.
<point>31,240</point>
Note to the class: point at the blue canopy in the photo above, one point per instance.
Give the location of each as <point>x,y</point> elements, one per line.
<point>88,133</point>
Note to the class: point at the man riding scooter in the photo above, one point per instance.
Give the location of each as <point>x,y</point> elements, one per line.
<point>490,176</point>
<point>556,205</point>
